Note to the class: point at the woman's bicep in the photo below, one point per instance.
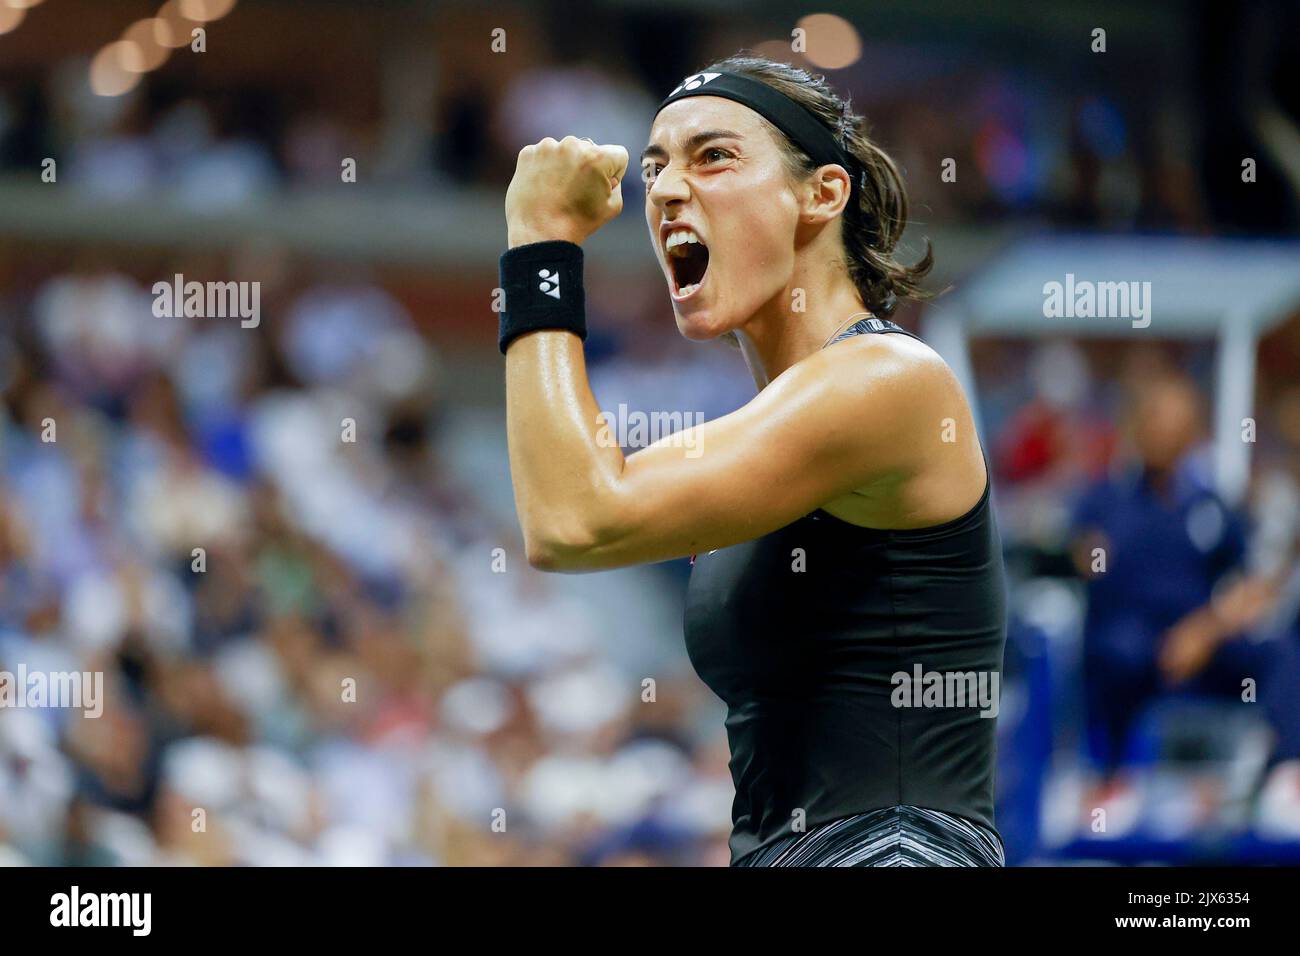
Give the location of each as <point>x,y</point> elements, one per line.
<point>801,442</point>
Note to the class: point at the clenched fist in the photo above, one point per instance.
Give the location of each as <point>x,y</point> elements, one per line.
<point>564,190</point>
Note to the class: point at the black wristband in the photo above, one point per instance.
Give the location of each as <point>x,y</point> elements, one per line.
<point>543,290</point>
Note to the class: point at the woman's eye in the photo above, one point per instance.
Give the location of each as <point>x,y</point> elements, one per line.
<point>712,154</point>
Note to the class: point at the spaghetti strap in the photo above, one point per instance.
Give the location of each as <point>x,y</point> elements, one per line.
<point>871,324</point>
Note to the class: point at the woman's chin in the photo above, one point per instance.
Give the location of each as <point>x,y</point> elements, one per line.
<point>697,327</point>
<point>699,321</point>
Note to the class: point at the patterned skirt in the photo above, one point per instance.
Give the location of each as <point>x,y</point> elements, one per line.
<point>894,836</point>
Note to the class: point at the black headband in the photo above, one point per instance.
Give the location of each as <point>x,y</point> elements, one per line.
<point>803,129</point>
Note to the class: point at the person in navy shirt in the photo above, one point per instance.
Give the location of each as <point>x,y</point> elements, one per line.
<point>1167,596</point>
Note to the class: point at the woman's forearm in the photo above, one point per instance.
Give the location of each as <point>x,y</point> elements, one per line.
<point>565,478</point>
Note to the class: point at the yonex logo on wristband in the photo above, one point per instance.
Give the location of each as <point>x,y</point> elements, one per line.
<point>694,82</point>
<point>550,283</point>
<point>533,268</point>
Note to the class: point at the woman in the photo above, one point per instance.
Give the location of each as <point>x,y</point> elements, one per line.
<point>847,578</point>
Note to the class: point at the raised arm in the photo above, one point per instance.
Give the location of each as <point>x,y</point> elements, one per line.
<point>837,421</point>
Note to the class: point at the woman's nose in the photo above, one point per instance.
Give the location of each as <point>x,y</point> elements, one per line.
<point>668,187</point>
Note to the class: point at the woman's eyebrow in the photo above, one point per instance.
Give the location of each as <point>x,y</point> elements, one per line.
<point>655,151</point>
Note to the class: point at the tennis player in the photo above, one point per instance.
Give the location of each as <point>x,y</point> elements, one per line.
<point>847,599</point>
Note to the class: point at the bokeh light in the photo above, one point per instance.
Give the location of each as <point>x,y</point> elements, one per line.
<point>10,18</point>
<point>147,38</point>
<point>174,27</point>
<point>832,42</point>
<point>115,69</point>
<point>778,50</point>
<point>204,11</point>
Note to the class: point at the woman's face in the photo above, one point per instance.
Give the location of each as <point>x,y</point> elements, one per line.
<point>712,166</point>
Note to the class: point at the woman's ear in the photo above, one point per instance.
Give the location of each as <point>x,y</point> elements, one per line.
<point>829,192</point>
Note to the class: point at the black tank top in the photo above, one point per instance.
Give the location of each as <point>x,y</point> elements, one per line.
<point>802,632</point>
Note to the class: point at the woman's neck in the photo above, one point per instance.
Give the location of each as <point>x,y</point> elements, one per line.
<point>777,336</point>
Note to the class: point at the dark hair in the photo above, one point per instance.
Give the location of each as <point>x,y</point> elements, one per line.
<point>874,223</point>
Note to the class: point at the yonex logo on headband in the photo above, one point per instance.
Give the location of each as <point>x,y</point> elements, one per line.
<point>694,82</point>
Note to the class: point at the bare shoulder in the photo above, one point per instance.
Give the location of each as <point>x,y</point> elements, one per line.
<point>898,371</point>
<point>922,463</point>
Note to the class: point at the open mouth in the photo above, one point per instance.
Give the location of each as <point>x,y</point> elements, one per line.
<point>688,258</point>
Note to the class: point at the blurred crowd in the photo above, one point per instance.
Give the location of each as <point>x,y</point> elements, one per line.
<point>357,667</point>
<point>1016,139</point>
<point>320,644</point>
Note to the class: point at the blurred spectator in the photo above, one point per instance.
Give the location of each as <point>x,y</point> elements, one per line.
<point>1168,607</point>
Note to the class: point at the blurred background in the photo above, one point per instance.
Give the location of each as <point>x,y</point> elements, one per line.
<point>501,716</point>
